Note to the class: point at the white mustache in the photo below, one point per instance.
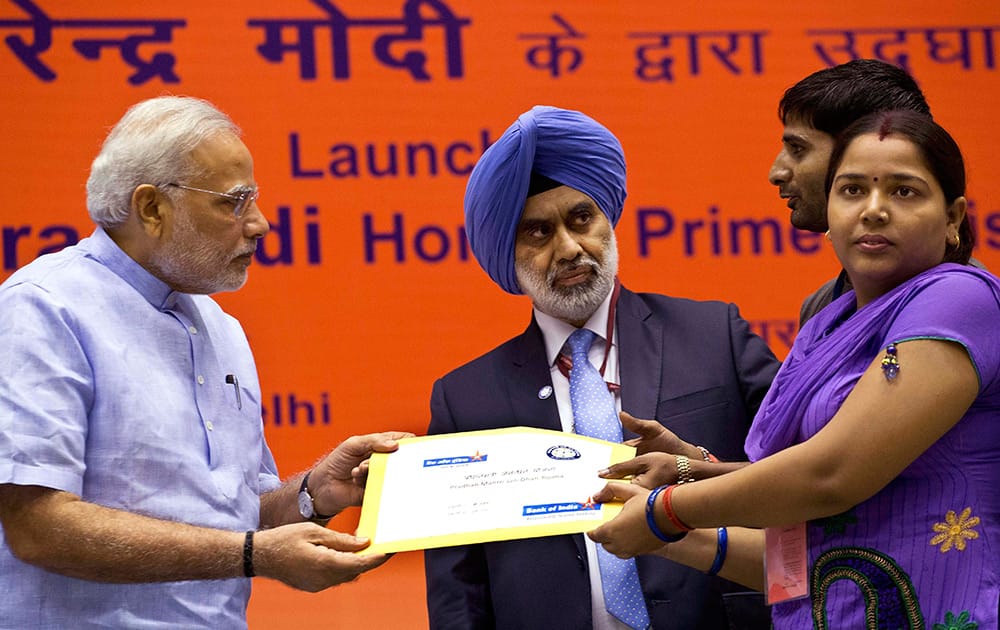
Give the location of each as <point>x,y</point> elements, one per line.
<point>583,261</point>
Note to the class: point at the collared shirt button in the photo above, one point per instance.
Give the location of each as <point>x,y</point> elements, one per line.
<point>192,330</point>
<point>209,425</point>
<point>201,379</point>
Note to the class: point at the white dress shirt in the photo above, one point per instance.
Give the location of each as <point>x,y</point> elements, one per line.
<point>556,332</point>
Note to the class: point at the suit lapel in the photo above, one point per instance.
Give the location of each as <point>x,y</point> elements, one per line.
<point>640,339</point>
<point>530,374</point>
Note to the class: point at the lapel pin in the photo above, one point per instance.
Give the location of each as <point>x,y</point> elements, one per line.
<point>545,392</point>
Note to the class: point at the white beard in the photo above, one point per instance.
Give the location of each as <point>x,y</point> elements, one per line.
<point>578,302</point>
<point>191,263</point>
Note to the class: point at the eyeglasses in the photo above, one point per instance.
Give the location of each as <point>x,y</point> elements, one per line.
<point>241,199</point>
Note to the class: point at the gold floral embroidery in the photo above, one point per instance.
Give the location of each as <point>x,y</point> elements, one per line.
<point>955,530</point>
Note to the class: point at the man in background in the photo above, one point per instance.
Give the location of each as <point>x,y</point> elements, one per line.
<point>813,112</point>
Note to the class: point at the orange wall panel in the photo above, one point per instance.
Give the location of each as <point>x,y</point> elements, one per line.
<point>365,292</point>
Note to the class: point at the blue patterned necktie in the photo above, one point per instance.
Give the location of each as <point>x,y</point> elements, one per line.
<point>594,415</point>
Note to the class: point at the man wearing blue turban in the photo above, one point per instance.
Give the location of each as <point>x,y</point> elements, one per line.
<point>556,146</point>
<point>540,210</point>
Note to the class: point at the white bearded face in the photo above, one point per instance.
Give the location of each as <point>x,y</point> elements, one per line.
<point>566,255</point>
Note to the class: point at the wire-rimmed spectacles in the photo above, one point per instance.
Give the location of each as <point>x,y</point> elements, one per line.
<point>241,198</point>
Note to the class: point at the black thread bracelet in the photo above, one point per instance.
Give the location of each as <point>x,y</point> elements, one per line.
<point>248,554</point>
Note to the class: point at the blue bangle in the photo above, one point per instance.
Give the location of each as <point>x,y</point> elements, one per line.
<point>651,519</point>
<point>720,552</point>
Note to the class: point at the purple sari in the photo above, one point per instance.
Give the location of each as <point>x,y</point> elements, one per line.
<point>925,549</point>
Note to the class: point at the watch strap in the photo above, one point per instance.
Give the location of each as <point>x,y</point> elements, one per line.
<point>304,489</point>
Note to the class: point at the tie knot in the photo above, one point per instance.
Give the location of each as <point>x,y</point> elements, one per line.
<point>580,341</point>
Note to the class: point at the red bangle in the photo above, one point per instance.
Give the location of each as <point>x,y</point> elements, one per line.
<point>669,509</point>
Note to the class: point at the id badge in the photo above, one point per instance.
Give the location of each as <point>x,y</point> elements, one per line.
<point>786,563</point>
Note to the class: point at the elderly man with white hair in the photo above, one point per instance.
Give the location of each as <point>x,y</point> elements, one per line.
<point>136,487</point>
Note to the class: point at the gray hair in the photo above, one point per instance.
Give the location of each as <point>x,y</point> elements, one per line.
<point>151,144</point>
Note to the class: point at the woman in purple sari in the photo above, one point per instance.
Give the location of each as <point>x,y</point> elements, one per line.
<point>880,435</point>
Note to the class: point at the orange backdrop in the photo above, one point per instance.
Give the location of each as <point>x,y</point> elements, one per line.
<point>365,291</point>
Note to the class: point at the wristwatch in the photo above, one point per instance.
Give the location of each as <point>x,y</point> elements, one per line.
<point>307,507</point>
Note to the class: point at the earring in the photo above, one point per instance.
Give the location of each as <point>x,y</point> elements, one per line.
<point>828,236</point>
<point>958,241</point>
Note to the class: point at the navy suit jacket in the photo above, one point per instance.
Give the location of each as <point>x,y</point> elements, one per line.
<point>694,366</point>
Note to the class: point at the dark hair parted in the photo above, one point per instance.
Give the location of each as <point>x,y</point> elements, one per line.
<point>831,99</point>
<point>939,151</point>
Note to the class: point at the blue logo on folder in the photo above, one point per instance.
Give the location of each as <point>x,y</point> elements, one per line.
<point>451,461</point>
<point>559,508</point>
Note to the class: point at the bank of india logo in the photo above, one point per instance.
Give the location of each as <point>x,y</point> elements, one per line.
<point>563,452</point>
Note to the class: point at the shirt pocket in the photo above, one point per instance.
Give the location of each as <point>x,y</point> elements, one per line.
<point>706,417</point>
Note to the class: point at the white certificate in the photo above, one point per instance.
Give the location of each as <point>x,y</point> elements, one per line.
<point>484,486</point>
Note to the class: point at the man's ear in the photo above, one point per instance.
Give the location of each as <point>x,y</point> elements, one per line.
<point>148,203</point>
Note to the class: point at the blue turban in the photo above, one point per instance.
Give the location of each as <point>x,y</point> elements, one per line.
<point>566,146</point>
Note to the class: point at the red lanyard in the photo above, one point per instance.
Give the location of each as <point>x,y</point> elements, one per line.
<point>609,335</point>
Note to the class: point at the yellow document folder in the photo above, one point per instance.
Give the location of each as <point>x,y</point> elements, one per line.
<point>484,486</point>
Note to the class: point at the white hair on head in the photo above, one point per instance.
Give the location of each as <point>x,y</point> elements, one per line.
<point>151,144</point>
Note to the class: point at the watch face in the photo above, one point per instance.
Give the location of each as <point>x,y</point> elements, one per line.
<point>305,505</point>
